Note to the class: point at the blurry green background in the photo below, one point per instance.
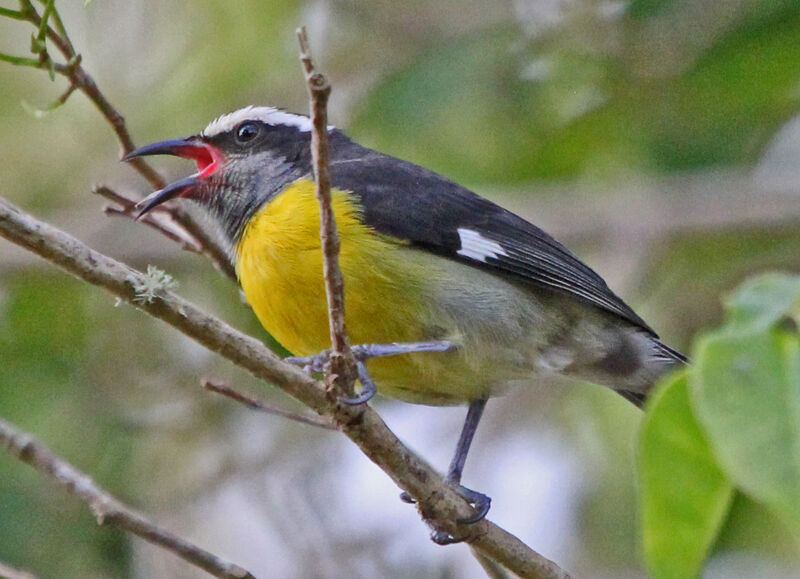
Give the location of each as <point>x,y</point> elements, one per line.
<point>658,139</point>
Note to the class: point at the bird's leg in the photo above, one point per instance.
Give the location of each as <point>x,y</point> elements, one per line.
<point>364,352</point>
<point>479,501</point>
<point>474,413</point>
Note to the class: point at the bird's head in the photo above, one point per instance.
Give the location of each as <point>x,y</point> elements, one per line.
<point>243,158</point>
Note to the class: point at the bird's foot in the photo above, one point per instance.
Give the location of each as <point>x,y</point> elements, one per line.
<point>310,364</point>
<point>480,504</point>
<point>362,353</point>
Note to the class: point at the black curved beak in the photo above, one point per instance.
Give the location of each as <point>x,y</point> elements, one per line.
<point>169,192</point>
<point>188,148</point>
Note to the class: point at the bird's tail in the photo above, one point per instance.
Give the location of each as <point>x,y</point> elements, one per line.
<point>661,352</point>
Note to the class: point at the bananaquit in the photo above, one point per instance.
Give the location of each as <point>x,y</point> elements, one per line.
<point>425,262</point>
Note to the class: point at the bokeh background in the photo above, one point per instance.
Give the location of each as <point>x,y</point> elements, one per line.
<point>659,139</point>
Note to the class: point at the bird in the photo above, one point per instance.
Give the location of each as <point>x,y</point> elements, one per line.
<point>475,299</point>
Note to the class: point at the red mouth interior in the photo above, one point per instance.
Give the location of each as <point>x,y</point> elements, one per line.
<point>206,157</point>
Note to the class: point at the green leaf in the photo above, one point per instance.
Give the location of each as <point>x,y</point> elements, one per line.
<point>746,388</point>
<point>684,495</point>
<point>763,301</point>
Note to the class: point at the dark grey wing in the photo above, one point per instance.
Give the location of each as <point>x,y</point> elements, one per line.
<point>417,205</point>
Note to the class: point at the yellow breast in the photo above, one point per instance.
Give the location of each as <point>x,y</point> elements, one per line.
<point>387,290</point>
<point>280,268</point>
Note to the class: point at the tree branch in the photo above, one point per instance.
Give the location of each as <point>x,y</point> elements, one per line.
<point>438,503</point>
<point>107,509</point>
<point>343,371</point>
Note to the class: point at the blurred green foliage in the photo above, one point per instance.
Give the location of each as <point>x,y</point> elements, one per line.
<point>557,110</point>
<point>685,495</point>
<point>732,421</point>
<point>503,97</point>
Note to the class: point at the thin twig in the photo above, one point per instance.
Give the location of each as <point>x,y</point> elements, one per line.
<point>159,219</point>
<point>439,504</point>
<point>62,98</point>
<point>342,374</point>
<point>105,507</point>
<point>254,404</point>
<point>163,219</point>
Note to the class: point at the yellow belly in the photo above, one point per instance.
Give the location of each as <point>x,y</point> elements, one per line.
<point>387,294</point>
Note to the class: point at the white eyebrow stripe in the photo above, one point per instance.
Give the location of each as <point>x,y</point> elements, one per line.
<point>476,246</point>
<point>267,115</point>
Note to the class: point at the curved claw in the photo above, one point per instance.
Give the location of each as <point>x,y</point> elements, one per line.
<point>365,396</point>
<point>479,501</point>
<point>368,388</point>
<point>407,498</point>
<point>444,538</point>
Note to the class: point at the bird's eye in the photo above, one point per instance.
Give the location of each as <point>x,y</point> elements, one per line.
<point>247,131</point>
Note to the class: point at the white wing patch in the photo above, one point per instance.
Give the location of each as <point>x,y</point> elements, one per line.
<point>268,115</point>
<point>477,247</point>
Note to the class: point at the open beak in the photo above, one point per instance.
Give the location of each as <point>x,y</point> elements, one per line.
<point>205,155</point>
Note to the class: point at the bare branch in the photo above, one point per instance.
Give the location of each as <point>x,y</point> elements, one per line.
<point>343,372</point>
<point>127,208</point>
<point>254,404</point>
<point>106,508</point>
<point>439,504</point>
